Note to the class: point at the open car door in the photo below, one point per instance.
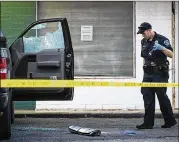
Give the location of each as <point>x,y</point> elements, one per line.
<point>43,51</point>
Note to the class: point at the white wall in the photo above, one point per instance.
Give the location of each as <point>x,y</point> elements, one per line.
<point>176,51</point>
<point>159,15</point>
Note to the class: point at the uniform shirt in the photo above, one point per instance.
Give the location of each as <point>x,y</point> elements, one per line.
<point>156,56</point>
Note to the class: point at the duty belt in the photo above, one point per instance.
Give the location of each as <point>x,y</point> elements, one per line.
<point>155,69</point>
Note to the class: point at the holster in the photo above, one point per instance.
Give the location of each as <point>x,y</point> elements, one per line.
<point>156,69</point>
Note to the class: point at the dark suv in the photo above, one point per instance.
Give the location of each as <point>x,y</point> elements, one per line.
<point>42,51</point>
<point>5,93</point>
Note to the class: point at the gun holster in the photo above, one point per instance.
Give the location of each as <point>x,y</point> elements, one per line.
<point>156,69</point>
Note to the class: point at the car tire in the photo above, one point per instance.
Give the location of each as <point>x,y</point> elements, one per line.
<point>12,113</point>
<point>5,122</point>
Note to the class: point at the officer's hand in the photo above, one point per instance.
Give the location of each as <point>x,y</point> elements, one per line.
<point>157,46</point>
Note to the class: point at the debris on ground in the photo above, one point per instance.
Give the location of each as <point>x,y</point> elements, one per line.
<point>129,132</point>
<point>84,131</point>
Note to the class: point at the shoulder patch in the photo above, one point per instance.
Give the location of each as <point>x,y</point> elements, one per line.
<point>167,42</point>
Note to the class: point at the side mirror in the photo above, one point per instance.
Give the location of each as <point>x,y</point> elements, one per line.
<point>3,40</point>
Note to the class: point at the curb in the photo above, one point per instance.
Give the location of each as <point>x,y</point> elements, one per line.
<point>86,115</point>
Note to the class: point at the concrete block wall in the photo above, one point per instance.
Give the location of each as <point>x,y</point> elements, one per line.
<point>176,52</point>
<point>15,17</point>
<point>159,15</point>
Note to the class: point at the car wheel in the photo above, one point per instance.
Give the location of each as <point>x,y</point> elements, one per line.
<point>5,122</point>
<point>12,112</point>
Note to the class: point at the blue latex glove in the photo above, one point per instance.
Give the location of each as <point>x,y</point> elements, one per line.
<point>156,46</point>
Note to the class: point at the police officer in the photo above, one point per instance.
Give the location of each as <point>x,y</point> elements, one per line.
<point>155,50</point>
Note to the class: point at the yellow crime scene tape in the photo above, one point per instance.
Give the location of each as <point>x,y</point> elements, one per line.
<point>15,83</point>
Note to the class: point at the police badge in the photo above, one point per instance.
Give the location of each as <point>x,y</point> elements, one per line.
<point>167,42</point>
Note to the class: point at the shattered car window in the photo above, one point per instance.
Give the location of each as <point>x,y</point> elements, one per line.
<point>48,37</point>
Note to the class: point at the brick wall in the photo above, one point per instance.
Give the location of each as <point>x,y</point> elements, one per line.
<point>15,17</point>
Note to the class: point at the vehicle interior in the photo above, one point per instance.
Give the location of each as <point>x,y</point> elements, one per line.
<point>43,51</point>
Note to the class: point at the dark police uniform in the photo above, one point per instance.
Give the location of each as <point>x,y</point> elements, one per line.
<point>156,67</point>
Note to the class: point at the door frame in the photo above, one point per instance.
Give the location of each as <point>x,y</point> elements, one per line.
<point>28,96</point>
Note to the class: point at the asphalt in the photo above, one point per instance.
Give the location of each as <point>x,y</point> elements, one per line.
<point>112,130</point>
<point>87,113</point>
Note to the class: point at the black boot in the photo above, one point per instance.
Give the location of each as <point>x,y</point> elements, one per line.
<point>144,126</point>
<point>168,125</point>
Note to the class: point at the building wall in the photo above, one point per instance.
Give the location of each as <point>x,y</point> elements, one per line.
<point>159,15</point>
<point>110,52</point>
<point>15,17</point>
<point>176,51</point>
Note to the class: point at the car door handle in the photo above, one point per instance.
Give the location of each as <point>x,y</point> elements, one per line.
<point>31,75</point>
<point>68,55</point>
<point>68,64</point>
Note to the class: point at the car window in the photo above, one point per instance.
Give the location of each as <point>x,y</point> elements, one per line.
<point>46,36</point>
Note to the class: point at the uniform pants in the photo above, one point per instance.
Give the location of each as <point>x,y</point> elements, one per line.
<point>149,100</point>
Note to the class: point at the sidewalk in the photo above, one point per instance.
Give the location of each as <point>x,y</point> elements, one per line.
<point>87,113</point>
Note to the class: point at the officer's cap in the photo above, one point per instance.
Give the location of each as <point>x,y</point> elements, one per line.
<point>144,26</point>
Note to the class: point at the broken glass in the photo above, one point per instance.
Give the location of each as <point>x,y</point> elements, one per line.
<point>50,41</point>
<point>39,26</point>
